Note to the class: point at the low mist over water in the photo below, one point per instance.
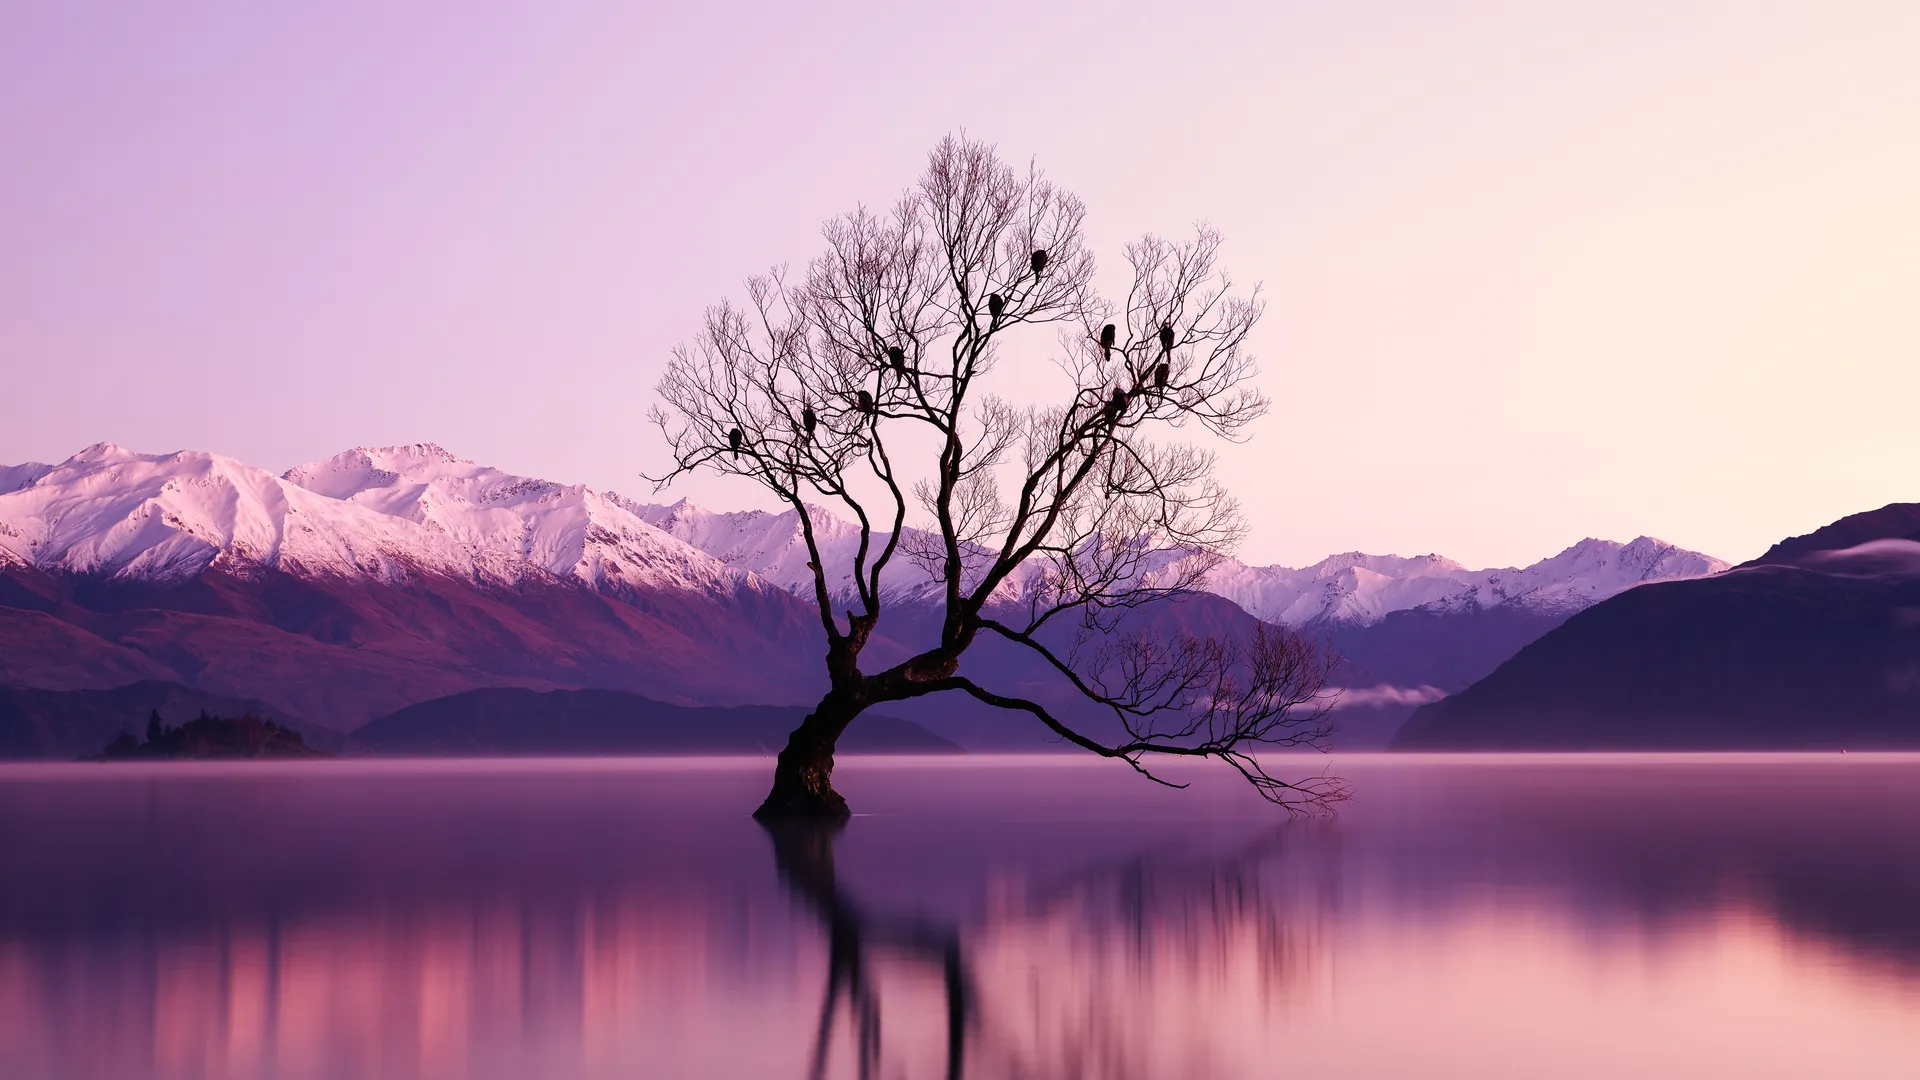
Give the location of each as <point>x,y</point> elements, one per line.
<point>1681,916</point>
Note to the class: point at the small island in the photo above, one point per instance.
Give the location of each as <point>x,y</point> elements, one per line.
<point>209,737</point>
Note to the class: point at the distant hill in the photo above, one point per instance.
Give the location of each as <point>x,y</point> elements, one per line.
<point>1450,650</point>
<point>1894,521</point>
<point>510,721</point>
<point>1814,645</point>
<point>66,724</point>
<point>1415,656</point>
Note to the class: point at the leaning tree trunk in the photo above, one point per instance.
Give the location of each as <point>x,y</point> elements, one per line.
<point>803,774</point>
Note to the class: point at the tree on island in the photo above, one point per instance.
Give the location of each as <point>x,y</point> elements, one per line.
<point>867,383</point>
<point>209,736</point>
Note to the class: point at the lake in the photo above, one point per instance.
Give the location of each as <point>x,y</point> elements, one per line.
<point>1034,917</point>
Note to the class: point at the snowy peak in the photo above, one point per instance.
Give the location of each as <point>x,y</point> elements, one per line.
<point>102,452</point>
<point>1592,570</point>
<point>386,513</point>
<point>772,547</point>
<point>15,477</point>
<point>513,522</point>
<point>1361,589</point>
<point>400,468</point>
<point>1349,588</point>
<point>1394,566</point>
<point>113,512</point>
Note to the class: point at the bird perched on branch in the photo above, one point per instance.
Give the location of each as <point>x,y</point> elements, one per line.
<point>808,419</point>
<point>733,440</point>
<point>1106,341</point>
<point>996,304</point>
<point>897,357</point>
<point>1039,262</point>
<point>865,402</point>
<point>1116,405</point>
<point>1166,337</point>
<point>1160,376</point>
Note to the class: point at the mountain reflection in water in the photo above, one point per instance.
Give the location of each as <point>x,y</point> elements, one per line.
<point>1523,917</point>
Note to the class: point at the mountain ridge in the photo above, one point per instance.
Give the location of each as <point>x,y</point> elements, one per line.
<point>511,721</point>
<point>416,508</point>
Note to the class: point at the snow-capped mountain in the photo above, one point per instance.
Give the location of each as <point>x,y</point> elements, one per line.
<point>15,477</point>
<point>1359,590</point>
<point>382,513</point>
<point>506,524</point>
<point>355,586</point>
<point>771,547</point>
<point>1351,589</point>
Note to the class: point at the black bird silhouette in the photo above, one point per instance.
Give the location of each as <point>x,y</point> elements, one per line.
<point>1039,262</point>
<point>897,357</point>
<point>1106,341</point>
<point>733,440</point>
<point>866,402</point>
<point>996,304</point>
<point>808,419</point>
<point>1116,405</point>
<point>1166,337</point>
<point>1160,376</point>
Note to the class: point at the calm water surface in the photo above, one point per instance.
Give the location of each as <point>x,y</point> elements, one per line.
<point>1001,917</point>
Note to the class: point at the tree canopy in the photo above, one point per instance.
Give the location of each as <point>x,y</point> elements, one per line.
<point>948,377</point>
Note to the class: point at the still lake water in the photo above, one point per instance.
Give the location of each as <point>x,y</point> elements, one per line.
<point>1686,916</point>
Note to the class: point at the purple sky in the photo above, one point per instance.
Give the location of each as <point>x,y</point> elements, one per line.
<point>1536,272</point>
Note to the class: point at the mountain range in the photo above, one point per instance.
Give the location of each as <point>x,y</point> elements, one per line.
<point>380,578</point>
<point>1814,645</point>
<point>1350,589</point>
<point>398,576</point>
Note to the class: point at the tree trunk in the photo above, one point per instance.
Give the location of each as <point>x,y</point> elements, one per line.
<point>803,774</point>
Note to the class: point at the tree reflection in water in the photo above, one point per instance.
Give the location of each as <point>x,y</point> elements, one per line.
<point>1212,915</point>
<point>803,854</point>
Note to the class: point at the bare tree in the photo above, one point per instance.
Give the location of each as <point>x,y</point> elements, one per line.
<point>864,384</point>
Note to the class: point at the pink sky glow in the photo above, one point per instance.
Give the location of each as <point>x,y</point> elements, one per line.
<point>1536,272</point>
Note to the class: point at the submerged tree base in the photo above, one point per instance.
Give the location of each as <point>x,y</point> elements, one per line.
<point>796,803</point>
<point>803,773</point>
